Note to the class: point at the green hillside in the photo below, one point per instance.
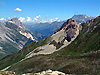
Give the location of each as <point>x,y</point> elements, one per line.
<point>14,58</point>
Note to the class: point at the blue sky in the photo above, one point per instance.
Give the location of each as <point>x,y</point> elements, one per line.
<point>48,9</point>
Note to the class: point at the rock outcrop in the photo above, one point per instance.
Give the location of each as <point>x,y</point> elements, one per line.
<point>61,38</point>
<point>47,72</point>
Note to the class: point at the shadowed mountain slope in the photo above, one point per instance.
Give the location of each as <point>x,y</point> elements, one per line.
<point>14,36</point>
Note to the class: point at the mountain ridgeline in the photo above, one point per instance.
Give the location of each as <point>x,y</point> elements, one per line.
<point>73,49</point>
<point>14,36</point>
<point>82,18</point>
<point>48,29</point>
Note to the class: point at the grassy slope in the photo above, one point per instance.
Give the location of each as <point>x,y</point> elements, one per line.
<point>14,58</point>
<point>2,55</point>
<point>87,64</point>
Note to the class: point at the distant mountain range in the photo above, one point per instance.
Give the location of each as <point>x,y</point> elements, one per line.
<point>82,18</point>
<point>47,29</point>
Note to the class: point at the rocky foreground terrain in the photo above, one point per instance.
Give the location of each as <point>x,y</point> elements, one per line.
<point>47,72</point>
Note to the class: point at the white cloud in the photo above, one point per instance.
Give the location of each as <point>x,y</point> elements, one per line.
<point>38,16</point>
<point>51,20</point>
<point>35,19</point>
<point>22,19</point>
<point>3,19</point>
<point>17,9</point>
<point>43,21</point>
<point>29,19</point>
<point>38,19</point>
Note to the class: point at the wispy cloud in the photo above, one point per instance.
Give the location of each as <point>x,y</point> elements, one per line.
<point>2,19</point>
<point>22,19</point>
<point>29,19</point>
<point>37,19</point>
<point>51,20</point>
<point>17,9</point>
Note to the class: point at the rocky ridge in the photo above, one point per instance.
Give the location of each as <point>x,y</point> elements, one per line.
<point>14,36</point>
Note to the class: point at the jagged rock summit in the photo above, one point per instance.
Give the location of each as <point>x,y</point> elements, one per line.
<point>19,23</point>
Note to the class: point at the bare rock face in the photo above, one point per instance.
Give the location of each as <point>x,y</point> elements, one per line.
<point>69,29</point>
<point>69,21</point>
<point>14,36</point>
<point>19,23</point>
<point>7,73</point>
<point>61,38</point>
